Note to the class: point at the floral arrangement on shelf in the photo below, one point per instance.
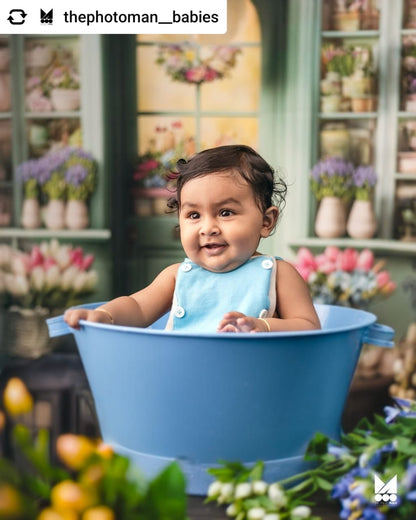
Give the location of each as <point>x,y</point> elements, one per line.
<point>344,277</point>
<point>90,482</point>
<point>188,64</point>
<point>39,87</point>
<point>364,179</point>
<point>332,177</point>
<point>50,276</point>
<point>166,147</point>
<point>64,173</point>
<point>345,472</point>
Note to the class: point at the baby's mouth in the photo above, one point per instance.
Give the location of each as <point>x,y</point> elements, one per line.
<point>214,247</point>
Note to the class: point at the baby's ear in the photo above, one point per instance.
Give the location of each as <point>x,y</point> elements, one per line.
<point>269,220</point>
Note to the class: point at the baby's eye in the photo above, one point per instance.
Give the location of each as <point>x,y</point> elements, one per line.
<point>193,215</point>
<point>226,213</point>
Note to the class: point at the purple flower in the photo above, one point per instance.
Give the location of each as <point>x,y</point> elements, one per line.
<point>332,166</point>
<point>75,174</point>
<point>364,175</point>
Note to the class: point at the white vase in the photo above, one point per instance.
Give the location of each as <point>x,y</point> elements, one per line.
<point>65,99</point>
<point>31,214</point>
<point>54,215</point>
<point>76,214</point>
<point>331,218</point>
<point>361,220</point>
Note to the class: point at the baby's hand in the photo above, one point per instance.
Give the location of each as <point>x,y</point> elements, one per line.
<point>73,317</point>
<point>238,322</point>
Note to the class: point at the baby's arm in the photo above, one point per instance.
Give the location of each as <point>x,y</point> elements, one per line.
<point>294,307</point>
<point>136,310</point>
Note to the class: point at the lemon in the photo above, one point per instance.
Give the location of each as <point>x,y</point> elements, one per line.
<point>99,513</point>
<point>52,514</point>
<point>16,397</point>
<point>74,450</point>
<point>70,495</point>
<point>10,506</point>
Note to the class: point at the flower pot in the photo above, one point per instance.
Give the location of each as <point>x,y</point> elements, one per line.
<point>54,214</point>
<point>347,22</point>
<point>65,99</point>
<point>77,214</point>
<point>31,214</point>
<point>361,220</point>
<point>26,332</point>
<point>330,219</point>
<point>363,104</point>
<point>5,98</point>
<point>330,103</point>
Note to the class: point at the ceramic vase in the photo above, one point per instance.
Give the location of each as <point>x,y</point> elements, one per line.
<point>65,99</point>
<point>31,214</point>
<point>331,218</point>
<point>361,220</point>
<point>54,214</point>
<point>76,214</point>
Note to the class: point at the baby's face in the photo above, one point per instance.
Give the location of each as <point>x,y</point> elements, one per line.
<point>220,221</point>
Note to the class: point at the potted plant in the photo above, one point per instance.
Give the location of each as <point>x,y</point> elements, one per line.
<point>331,183</point>
<point>64,84</point>
<point>27,173</point>
<point>347,15</point>
<point>39,283</point>
<point>81,179</point>
<point>361,221</point>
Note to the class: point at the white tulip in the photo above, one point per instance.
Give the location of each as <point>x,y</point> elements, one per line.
<point>62,257</point>
<point>18,264</point>
<point>259,487</point>
<point>91,280</point>
<point>53,276</point>
<point>256,513</point>
<point>6,253</point>
<point>54,247</point>
<point>227,492</point>
<point>301,512</point>
<point>17,285</point>
<point>243,490</point>
<point>272,516</point>
<point>214,489</point>
<point>232,510</point>
<point>277,495</point>
<point>80,282</point>
<point>68,277</point>
<point>37,278</point>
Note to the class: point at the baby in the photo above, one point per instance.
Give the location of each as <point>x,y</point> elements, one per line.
<point>227,199</point>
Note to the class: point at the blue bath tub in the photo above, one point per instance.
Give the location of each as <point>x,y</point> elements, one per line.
<point>164,395</point>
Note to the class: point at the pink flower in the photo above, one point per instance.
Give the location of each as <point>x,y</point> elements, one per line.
<point>304,271</point>
<point>388,288</point>
<point>305,258</point>
<point>87,262</point>
<point>210,74</point>
<point>383,278</point>
<point>365,260</point>
<point>332,253</point>
<point>49,262</point>
<point>347,260</point>
<point>195,74</point>
<point>36,257</point>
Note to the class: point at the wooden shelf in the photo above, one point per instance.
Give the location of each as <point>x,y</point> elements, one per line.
<point>84,234</point>
<point>387,247</point>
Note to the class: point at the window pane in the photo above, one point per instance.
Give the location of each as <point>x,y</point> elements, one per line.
<point>217,131</point>
<point>236,91</point>
<point>163,134</point>
<point>156,89</point>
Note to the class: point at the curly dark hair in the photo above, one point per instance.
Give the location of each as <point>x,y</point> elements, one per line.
<point>268,191</point>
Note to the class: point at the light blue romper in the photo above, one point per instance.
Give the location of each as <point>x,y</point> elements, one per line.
<point>202,297</point>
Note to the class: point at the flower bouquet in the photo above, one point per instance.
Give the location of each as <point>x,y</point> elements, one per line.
<point>332,177</point>
<point>38,284</point>
<point>183,63</point>
<point>364,179</point>
<point>348,278</point>
<point>371,473</point>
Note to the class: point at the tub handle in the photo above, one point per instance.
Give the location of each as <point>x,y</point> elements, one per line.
<point>380,335</point>
<point>58,327</point>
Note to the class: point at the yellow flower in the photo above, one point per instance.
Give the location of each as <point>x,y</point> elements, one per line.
<point>99,513</point>
<point>16,397</point>
<point>10,504</point>
<point>70,495</point>
<point>74,450</point>
<point>52,514</point>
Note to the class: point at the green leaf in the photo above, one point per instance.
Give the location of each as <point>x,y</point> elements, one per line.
<point>256,472</point>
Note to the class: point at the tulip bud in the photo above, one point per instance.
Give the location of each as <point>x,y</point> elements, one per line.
<point>256,513</point>
<point>71,495</point>
<point>301,512</point>
<point>277,495</point>
<point>242,490</point>
<point>259,487</point>
<point>16,397</point>
<point>214,489</point>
